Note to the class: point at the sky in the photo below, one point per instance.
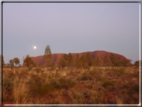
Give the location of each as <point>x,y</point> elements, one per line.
<point>70,27</point>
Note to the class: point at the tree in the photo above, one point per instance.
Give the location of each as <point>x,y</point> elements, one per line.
<point>77,61</point>
<point>48,57</point>
<point>83,60</point>
<point>106,61</point>
<point>70,60</point>
<point>130,60</point>
<point>62,63</point>
<point>65,60</point>
<point>16,61</point>
<point>28,62</point>
<point>11,63</point>
<point>8,64</point>
<point>137,63</point>
<point>96,61</point>
<point>113,59</point>
<point>125,62</point>
<point>89,60</point>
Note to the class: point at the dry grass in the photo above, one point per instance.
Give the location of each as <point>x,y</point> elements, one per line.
<point>20,91</point>
<point>79,86</point>
<point>119,100</point>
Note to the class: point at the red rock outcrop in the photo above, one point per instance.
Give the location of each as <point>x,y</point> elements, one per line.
<point>101,54</point>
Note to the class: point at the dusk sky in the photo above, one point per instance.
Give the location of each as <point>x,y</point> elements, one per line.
<point>70,27</point>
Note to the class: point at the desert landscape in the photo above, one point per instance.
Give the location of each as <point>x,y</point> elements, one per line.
<point>71,52</point>
<point>97,77</point>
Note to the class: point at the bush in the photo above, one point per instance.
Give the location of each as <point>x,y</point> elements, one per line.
<point>119,71</point>
<point>38,86</point>
<point>135,87</point>
<point>7,89</point>
<point>85,77</point>
<point>22,74</point>
<point>62,83</point>
<point>108,83</point>
<point>8,84</point>
<point>101,79</point>
<point>10,75</point>
<point>125,86</point>
<point>38,69</point>
<point>56,101</point>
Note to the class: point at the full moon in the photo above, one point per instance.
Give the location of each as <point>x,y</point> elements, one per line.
<point>34,47</point>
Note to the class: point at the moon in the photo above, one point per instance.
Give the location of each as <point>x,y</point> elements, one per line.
<point>34,47</point>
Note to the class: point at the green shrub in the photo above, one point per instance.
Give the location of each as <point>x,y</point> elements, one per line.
<point>125,86</point>
<point>54,84</point>
<point>62,83</point>
<point>38,86</point>
<point>56,101</point>
<point>135,87</point>
<point>108,83</point>
<point>119,71</point>
<point>101,79</point>
<point>85,77</point>
<point>8,85</point>
<point>97,100</point>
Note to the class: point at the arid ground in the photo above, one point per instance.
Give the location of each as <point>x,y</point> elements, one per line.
<point>100,85</point>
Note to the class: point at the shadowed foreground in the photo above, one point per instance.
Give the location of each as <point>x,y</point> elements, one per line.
<point>78,86</point>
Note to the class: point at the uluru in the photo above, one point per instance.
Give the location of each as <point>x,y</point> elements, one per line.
<point>39,60</point>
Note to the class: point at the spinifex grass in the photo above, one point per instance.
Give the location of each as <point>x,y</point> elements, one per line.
<point>82,86</point>
<point>20,91</point>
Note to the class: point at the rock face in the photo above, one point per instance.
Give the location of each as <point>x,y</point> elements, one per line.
<point>101,54</point>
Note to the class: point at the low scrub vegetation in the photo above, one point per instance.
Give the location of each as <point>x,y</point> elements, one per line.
<point>79,86</point>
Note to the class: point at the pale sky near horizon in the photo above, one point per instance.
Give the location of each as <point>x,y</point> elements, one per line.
<point>70,27</point>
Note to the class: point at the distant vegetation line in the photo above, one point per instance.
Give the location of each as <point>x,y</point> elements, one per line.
<point>78,60</point>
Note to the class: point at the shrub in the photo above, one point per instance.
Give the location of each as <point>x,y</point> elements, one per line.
<point>55,84</point>
<point>56,101</point>
<point>38,86</point>
<point>8,84</point>
<point>125,86</point>
<point>108,83</point>
<point>7,89</point>
<point>119,71</point>
<point>66,83</point>
<point>101,79</point>
<point>62,83</point>
<point>22,74</point>
<point>10,75</point>
<point>135,87</point>
<point>85,77</point>
<point>38,69</point>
